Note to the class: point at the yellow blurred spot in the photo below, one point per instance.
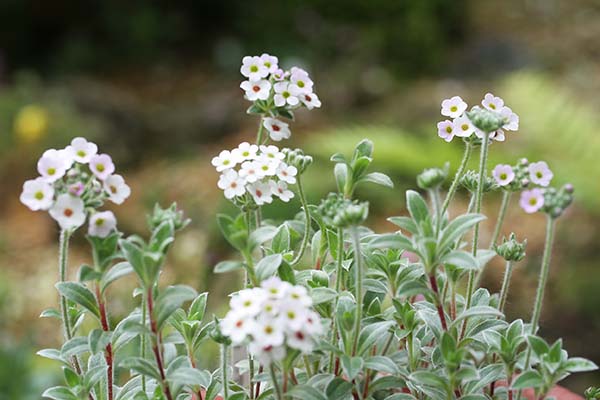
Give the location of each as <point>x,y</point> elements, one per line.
<point>31,123</point>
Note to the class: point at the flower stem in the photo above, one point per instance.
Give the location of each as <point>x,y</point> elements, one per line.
<point>108,354</point>
<point>459,174</point>
<point>440,307</point>
<point>338,285</point>
<point>505,286</point>
<point>276,386</point>
<point>307,219</point>
<point>156,346</point>
<point>224,366</point>
<point>358,275</point>
<point>479,195</point>
<point>259,132</point>
<point>143,337</point>
<point>539,298</point>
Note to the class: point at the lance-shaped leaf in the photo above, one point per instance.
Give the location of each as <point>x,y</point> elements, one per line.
<point>416,207</point>
<point>267,267</point>
<point>81,295</point>
<point>460,259</point>
<point>117,271</point>
<point>391,241</point>
<point>141,366</point>
<point>170,300</point>
<point>458,227</point>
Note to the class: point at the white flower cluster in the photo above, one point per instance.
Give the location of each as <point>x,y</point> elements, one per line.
<point>64,187</point>
<point>461,126</point>
<point>259,171</point>
<point>271,317</point>
<point>274,90</point>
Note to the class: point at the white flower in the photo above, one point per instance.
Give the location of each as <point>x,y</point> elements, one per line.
<point>102,224</point>
<point>269,332</point>
<point>68,211</point>
<point>277,130</point>
<point>446,130</point>
<point>271,152</point>
<point>284,95</point>
<point>275,287</point>
<point>313,323</point>
<point>300,82</point>
<point>463,127</point>
<point>81,150</point>
<point>37,194</point>
<point>237,326</point>
<point>492,102</point>
<point>250,171</point>
<point>292,316</point>
<point>287,173</point>
<point>53,165</point>
<point>248,301</point>
<point>267,166</point>
<point>279,74</point>
<point>310,100</point>
<point>232,184</point>
<point>254,68</point>
<point>270,62</point>
<point>503,174</point>
<point>116,188</point>
<point>267,354</point>
<point>281,190</point>
<point>256,90</point>
<point>299,295</point>
<point>300,340</point>
<point>261,192</point>
<point>540,174</point>
<point>497,135</point>
<point>102,166</point>
<point>244,151</point>
<point>453,107</point>
<point>513,119</point>
<point>224,160</point>
<point>532,201</point>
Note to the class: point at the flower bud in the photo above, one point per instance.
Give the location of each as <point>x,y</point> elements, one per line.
<point>351,214</point>
<point>557,201</point>
<point>217,335</point>
<point>510,249</point>
<point>159,215</point>
<point>470,181</point>
<point>486,120</point>
<point>431,178</point>
<point>298,159</point>
<point>523,162</point>
<point>320,278</point>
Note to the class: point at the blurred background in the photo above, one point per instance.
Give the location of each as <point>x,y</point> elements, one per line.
<point>156,85</point>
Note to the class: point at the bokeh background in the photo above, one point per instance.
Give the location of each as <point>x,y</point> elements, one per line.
<point>155,84</point>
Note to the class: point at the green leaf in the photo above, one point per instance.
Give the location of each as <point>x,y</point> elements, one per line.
<point>386,383</point>
<point>375,286</point>
<point>281,240</point>
<point>391,241</point>
<point>405,223</point>
<point>286,273</point>
<point>370,334</point>
<point>322,295</point>
<point>141,366</point>
<point>254,109</point>
<point>98,340</point>
<point>134,254</point>
<point>477,311</point>
<point>234,234</point>
<point>538,345</point>
<point>71,377</point>
<point>267,267</point>
<point>87,273</point>
<point>460,259</point>
<point>401,396</point>
<point>578,364</point>
<point>305,392</point>
<point>382,364</point>
<point>191,376</point>
<point>285,113</point>
<point>458,227</point>
<point>228,266</point>
<point>528,379</point>
<point>260,236</point>
<point>378,178</point>
<point>198,307</point>
<point>162,237</point>
<point>50,313</point>
<point>74,347</point>
<point>427,378</point>
<point>352,366</point>
<point>94,375</point>
<point>119,270</point>
<point>79,294</point>
<point>339,389</point>
<point>340,172</point>
<point>170,299</point>
<point>338,158</point>
<point>359,167</point>
<point>416,207</point>
<point>59,393</point>
<point>363,149</point>
<point>52,354</point>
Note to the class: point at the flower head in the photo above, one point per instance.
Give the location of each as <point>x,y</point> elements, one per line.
<point>68,211</point>
<point>300,82</point>
<point>37,194</point>
<point>453,107</point>
<point>503,174</point>
<point>116,188</point>
<point>254,68</point>
<point>53,165</point>
<point>81,150</point>
<point>260,192</point>
<point>102,224</point>
<point>224,160</point>
<point>532,200</point>
<point>232,184</point>
<point>287,173</point>
<point>270,62</point>
<point>102,166</point>
<point>310,100</point>
<point>492,102</point>
<point>277,130</point>
<point>257,90</point>
<point>280,189</point>
<point>446,130</point>
<point>245,151</point>
<point>540,174</point>
<point>286,94</point>
<point>463,127</point>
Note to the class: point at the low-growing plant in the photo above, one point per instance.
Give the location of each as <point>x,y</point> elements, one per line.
<point>328,308</point>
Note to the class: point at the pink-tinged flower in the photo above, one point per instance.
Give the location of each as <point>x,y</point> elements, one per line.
<point>540,174</point>
<point>232,184</point>
<point>267,166</point>
<point>224,160</point>
<point>270,62</point>
<point>250,171</point>
<point>300,82</point>
<point>532,200</point>
<point>267,354</point>
<point>261,192</point>
<point>287,173</point>
<point>53,165</point>
<point>281,190</point>
<point>463,127</point>
<point>497,136</point>
<point>81,150</point>
<point>279,74</point>
<point>254,68</point>
<point>37,194</point>
<point>503,174</point>
<point>446,130</point>
<point>102,166</point>
<point>277,130</point>
<point>300,340</point>
<point>284,96</point>
<point>492,102</point>
<point>102,224</point>
<point>256,90</point>
<point>116,188</point>
<point>68,211</point>
<point>237,326</point>
<point>511,117</point>
<point>453,107</point>
<point>310,100</point>
<point>245,151</point>
<point>76,189</point>
<point>271,152</point>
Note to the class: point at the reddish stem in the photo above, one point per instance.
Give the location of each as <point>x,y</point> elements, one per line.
<point>440,309</point>
<point>257,391</point>
<point>108,354</point>
<point>155,346</point>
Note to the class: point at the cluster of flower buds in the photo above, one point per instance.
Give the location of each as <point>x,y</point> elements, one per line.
<point>272,318</point>
<point>298,159</point>
<point>73,182</point>
<point>470,181</point>
<point>340,212</point>
<point>275,92</point>
<point>494,118</point>
<point>258,171</point>
<point>524,175</point>
<point>511,249</point>
<point>431,178</point>
<point>556,201</point>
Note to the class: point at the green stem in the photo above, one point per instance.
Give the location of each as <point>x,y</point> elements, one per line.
<point>501,215</point>
<point>224,366</point>
<point>259,132</point>
<point>435,204</point>
<point>505,285</point>
<point>358,275</point>
<point>459,173</point>
<point>307,218</point>
<point>338,285</point>
<point>143,338</point>
<point>276,386</point>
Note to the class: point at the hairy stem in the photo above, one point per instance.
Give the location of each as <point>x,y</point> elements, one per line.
<point>307,221</point>
<point>338,285</point>
<point>224,366</point>
<point>505,286</point>
<point>276,387</point>
<point>457,176</point>
<point>156,345</point>
<point>439,305</point>
<point>143,337</point>
<point>358,276</point>
<point>108,354</point>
